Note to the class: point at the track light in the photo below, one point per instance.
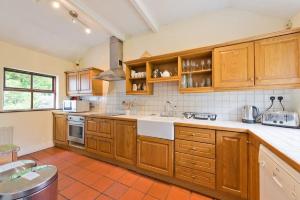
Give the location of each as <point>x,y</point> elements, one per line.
<point>87,30</point>
<point>55,4</point>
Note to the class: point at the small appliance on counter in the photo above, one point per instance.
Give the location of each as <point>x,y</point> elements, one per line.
<point>76,106</point>
<point>200,116</point>
<point>24,180</point>
<point>281,118</point>
<point>250,113</point>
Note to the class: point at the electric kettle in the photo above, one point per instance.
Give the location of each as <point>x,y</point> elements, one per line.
<point>250,113</point>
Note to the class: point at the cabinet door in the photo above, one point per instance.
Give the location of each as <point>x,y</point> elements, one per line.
<point>105,147</point>
<point>234,66</point>
<point>91,144</point>
<point>60,129</point>
<point>232,163</point>
<point>125,141</point>
<point>84,82</point>
<point>155,155</point>
<point>72,84</point>
<point>277,60</point>
<point>105,128</point>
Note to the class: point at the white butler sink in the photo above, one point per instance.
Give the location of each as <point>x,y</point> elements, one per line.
<point>158,127</point>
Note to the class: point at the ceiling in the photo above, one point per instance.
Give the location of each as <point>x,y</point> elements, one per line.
<point>35,24</point>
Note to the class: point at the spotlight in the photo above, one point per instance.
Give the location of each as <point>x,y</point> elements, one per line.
<point>87,30</point>
<point>55,4</point>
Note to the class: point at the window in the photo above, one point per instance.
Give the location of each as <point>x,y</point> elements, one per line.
<point>27,90</point>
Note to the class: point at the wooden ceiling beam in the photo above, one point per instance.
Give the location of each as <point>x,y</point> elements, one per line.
<point>144,13</point>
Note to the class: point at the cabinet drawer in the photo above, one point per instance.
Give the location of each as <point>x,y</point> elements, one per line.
<point>91,125</point>
<point>195,176</point>
<point>195,134</point>
<point>195,162</point>
<point>195,148</point>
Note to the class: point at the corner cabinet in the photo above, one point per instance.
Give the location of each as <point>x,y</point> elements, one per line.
<point>277,61</point>
<point>155,155</point>
<point>60,128</point>
<point>234,66</point>
<point>232,163</point>
<point>83,83</point>
<point>125,141</point>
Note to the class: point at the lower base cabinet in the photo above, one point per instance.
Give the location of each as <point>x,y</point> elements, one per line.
<point>155,155</point>
<point>232,163</point>
<point>100,146</point>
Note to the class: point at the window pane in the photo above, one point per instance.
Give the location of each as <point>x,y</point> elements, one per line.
<point>42,82</point>
<point>17,80</point>
<point>16,100</point>
<point>43,100</point>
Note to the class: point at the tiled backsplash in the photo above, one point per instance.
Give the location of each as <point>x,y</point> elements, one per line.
<point>227,105</point>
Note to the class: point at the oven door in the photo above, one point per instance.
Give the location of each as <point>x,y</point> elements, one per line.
<point>76,132</point>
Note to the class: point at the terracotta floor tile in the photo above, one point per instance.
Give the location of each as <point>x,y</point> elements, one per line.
<point>116,190</point>
<point>102,184</point>
<point>93,177</point>
<point>115,173</point>
<point>143,184</point>
<point>88,194</point>
<point>73,189</point>
<point>177,193</point>
<point>104,197</point>
<point>159,190</point>
<point>128,178</point>
<point>64,182</point>
<point>133,194</point>
<point>148,197</point>
<point>71,170</point>
<point>196,196</point>
<point>59,197</point>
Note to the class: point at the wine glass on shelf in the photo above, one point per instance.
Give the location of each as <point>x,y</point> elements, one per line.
<point>184,66</point>
<point>202,63</point>
<point>208,62</point>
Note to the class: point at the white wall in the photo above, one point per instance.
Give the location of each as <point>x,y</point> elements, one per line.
<point>296,20</point>
<point>32,130</point>
<point>208,29</point>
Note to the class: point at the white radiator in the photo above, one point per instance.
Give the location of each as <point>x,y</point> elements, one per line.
<point>6,135</point>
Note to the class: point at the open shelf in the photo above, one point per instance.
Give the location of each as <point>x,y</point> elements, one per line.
<point>136,85</point>
<point>169,65</point>
<point>196,72</point>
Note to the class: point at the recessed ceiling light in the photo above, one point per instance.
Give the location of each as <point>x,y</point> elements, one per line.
<point>87,30</point>
<point>55,4</point>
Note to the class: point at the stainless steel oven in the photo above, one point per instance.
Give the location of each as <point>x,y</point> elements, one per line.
<point>76,129</point>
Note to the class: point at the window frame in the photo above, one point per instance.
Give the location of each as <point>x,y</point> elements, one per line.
<point>31,90</point>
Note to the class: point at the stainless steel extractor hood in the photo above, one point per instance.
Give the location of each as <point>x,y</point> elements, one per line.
<point>116,72</point>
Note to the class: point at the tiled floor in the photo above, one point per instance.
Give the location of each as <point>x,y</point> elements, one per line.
<point>83,178</point>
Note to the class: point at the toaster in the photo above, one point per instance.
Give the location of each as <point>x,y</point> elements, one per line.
<point>281,118</point>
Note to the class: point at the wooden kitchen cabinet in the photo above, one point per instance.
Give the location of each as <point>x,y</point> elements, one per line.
<point>125,141</point>
<point>99,145</point>
<point>60,128</point>
<point>82,82</point>
<point>234,66</point>
<point>277,61</point>
<point>99,127</point>
<point>155,155</point>
<point>232,163</point>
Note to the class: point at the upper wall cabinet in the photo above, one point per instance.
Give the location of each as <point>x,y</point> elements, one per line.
<point>234,66</point>
<point>277,61</point>
<point>82,83</point>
